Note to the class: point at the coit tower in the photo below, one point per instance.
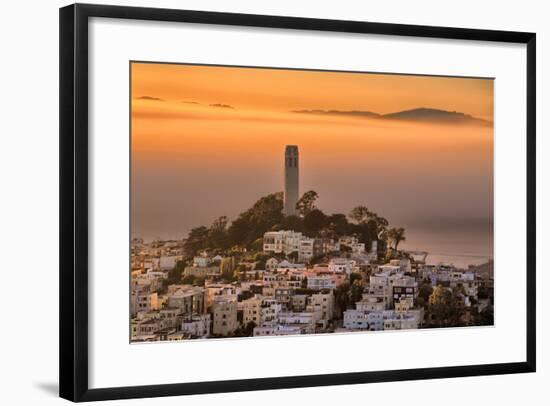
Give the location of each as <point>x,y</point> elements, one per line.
<point>291,179</point>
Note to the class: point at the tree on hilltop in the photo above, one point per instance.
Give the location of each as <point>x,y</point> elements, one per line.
<point>395,236</point>
<point>360,214</point>
<point>314,221</point>
<point>290,223</point>
<point>253,223</point>
<point>307,203</point>
<point>196,240</point>
<point>217,233</point>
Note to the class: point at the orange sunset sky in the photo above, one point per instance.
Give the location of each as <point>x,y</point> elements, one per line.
<point>208,141</point>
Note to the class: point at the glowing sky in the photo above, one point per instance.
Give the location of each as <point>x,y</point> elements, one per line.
<point>208,141</point>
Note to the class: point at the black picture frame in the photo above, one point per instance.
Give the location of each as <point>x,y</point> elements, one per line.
<point>73,281</point>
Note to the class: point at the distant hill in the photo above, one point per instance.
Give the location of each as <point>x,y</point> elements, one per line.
<point>354,113</point>
<point>421,114</point>
<point>434,115</point>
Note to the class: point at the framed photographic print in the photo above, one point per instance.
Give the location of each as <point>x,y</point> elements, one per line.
<point>307,195</point>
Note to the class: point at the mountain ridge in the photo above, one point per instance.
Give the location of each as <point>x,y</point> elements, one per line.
<point>420,114</point>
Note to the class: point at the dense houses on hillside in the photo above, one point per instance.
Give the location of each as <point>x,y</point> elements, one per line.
<point>301,286</point>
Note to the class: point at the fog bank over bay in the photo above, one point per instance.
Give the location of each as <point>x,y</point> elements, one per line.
<point>197,156</point>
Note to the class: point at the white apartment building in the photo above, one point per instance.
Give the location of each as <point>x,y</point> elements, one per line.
<point>157,274</point>
<point>145,329</point>
<point>325,246</point>
<point>388,269</point>
<point>197,325</point>
<point>270,310</point>
<point>392,284</point>
<point>291,277</point>
<point>201,261</point>
<point>306,320</point>
<point>145,283</point>
<point>170,317</point>
<point>272,278</point>
<point>319,282</point>
<point>167,263</point>
<point>306,249</point>
<point>356,320</point>
<point>282,242</point>
<point>278,330</point>
<point>144,302</point>
<point>251,310</point>
<point>214,290</point>
<point>261,311</point>
<point>403,322</point>
<point>284,264</point>
<point>341,265</point>
<point>403,264</point>
<point>322,307</point>
<point>381,320</point>
<point>287,242</point>
<point>189,299</point>
<point>224,311</point>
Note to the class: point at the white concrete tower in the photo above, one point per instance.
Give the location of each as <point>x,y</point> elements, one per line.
<point>292,177</point>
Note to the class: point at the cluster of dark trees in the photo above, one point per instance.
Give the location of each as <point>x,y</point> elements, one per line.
<point>243,232</point>
<point>348,293</point>
<point>445,308</point>
<point>247,230</point>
